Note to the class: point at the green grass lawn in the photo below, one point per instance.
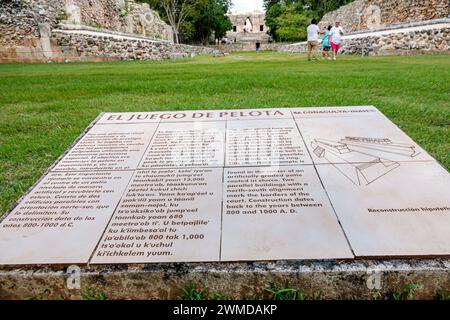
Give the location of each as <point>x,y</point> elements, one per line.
<point>45,107</point>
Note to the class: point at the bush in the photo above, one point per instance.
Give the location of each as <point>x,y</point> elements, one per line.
<point>292,25</point>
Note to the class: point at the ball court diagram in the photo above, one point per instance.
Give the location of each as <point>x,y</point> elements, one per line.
<point>362,160</point>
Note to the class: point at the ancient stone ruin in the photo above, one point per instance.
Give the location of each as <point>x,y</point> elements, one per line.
<point>375,14</point>
<point>383,27</point>
<point>57,30</point>
<point>249,31</point>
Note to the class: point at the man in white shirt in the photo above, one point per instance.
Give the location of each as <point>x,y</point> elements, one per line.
<point>336,34</point>
<point>313,37</point>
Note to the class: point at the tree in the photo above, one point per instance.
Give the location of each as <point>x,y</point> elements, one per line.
<point>207,17</point>
<point>194,20</point>
<point>221,22</point>
<point>288,15</point>
<point>272,13</point>
<point>291,25</point>
<point>176,13</point>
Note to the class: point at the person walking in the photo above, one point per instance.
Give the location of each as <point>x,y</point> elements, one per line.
<point>313,37</point>
<point>336,34</point>
<point>326,45</point>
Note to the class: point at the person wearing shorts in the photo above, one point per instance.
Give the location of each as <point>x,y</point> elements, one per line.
<point>326,45</point>
<point>336,34</point>
<point>313,37</point>
<point>335,47</point>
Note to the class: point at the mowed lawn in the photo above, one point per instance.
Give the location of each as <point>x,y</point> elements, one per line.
<point>45,107</point>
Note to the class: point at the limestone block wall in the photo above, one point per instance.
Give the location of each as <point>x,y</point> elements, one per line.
<point>375,14</point>
<point>142,20</point>
<point>409,42</point>
<point>117,15</point>
<point>25,25</point>
<point>426,39</point>
<point>349,16</point>
<point>19,21</point>
<point>108,46</point>
<point>19,18</point>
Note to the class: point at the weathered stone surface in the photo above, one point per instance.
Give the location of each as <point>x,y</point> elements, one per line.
<point>109,147</point>
<point>60,221</point>
<point>374,14</point>
<point>186,144</point>
<point>248,29</point>
<point>403,212</point>
<point>90,43</point>
<point>423,38</point>
<point>315,279</point>
<point>264,143</point>
<point>20,19</point>
<point>99,30</point>
<point>164,226</point>
<point>369,134</point>
<point>388,193</point>
<point>261,184</point>
<point>293,219</point>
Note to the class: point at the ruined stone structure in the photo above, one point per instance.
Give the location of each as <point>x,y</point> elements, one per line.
<point>375,14</point>
<point>419,38</point>
<point>383,27</point>
<point>249,30</point>
<point>113,45</point>
<point>57,30</point>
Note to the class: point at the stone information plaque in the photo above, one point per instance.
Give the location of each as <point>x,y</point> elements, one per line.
<point>391,197</point>
<point>234,185</point>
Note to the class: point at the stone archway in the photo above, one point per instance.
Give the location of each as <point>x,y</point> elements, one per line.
<point>248,26</point>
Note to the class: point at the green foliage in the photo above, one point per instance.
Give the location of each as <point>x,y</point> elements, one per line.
<point>90,294</point>
<point>287,19</point>
<point>156,5</point>
<point>126,9</point>
<point>376,296</point>
<point>408,292</point>
<point>285,293</point>
<point>205,18</point>
<point>272,13</point>
<point>62,16</point>
<point>442,295</point>
<point>194,291</point>
<point>291,26</point>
